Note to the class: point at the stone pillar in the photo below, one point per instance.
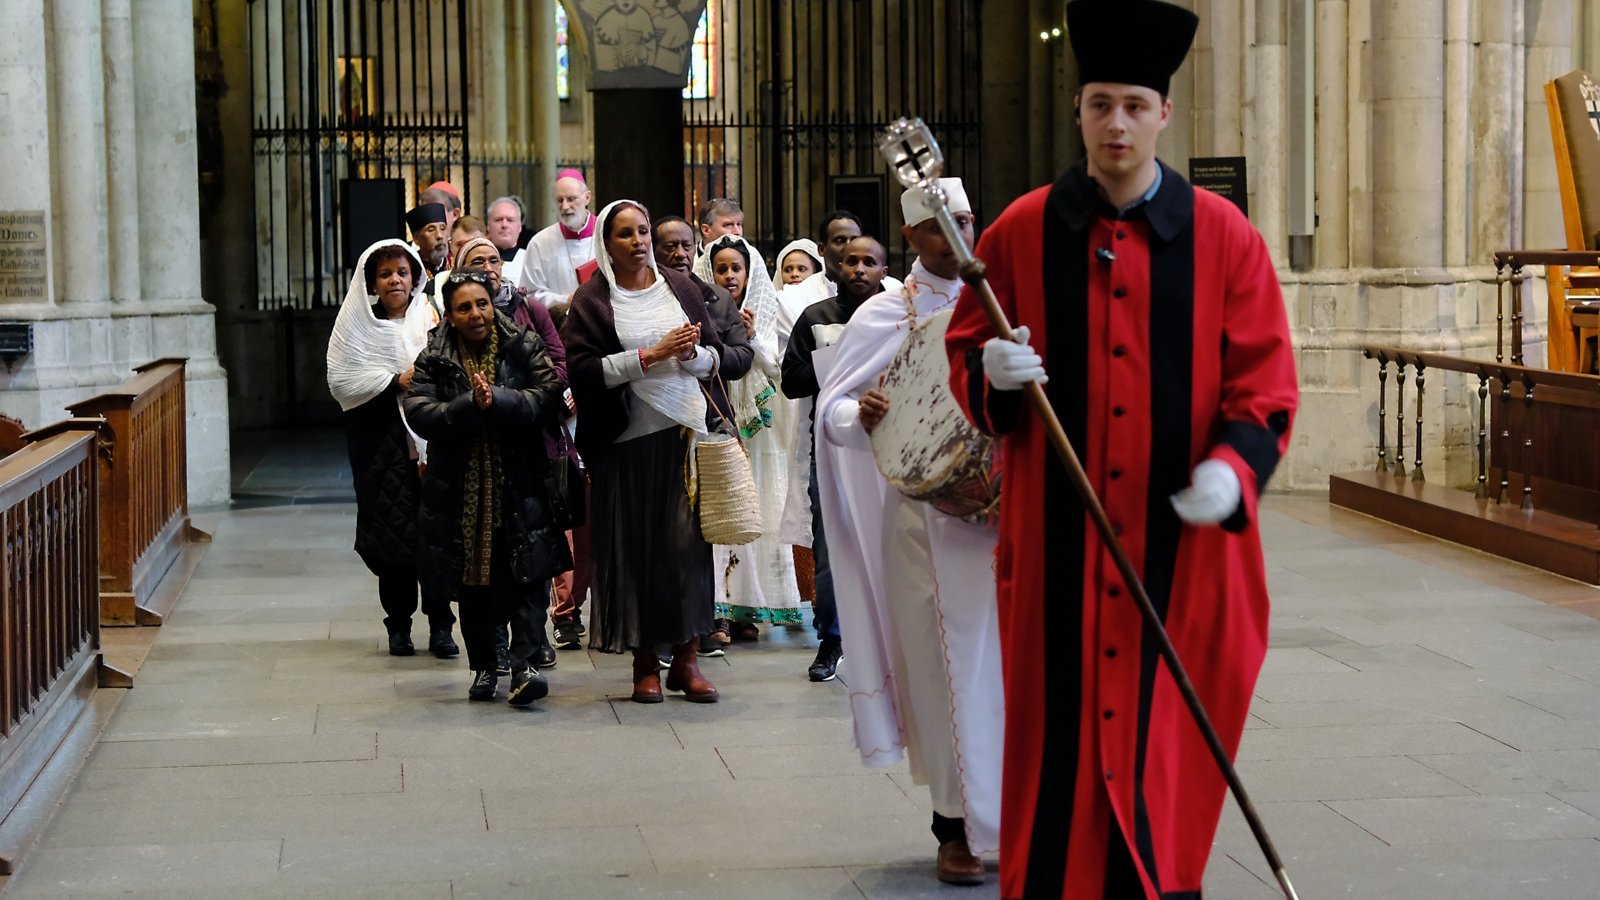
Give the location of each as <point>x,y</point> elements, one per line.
<point>1407,133</point>
<point>1494,190</point>
<point>1457,130</point>
<point>1004,75</point>
<point>25,137</point>
<point>169,190</point>
<point>492,113</point>
<point>1270,134</point>
<point>1226,43</point>
<point>1548,27</point>
<point>122,151</point>
<point>1333,148</point>
<point>79,152</point>
<point>546,119</point>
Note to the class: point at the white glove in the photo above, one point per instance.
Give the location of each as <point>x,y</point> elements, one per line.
<point>1213,494</point>
<point>1011,364</point>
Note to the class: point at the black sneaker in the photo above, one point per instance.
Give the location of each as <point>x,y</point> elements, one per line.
<point>544,656</point>
<point>569,635</point>
<point>442,645</point>
<point>527,685</point>
<point>502,661</point>
<point>710,648</point>
<point>400,645</point>
<point>826,666</point>
<point>483,686</point>
<point>577,620</point>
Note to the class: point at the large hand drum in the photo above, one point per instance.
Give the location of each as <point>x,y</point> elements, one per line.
<point>924,446</point>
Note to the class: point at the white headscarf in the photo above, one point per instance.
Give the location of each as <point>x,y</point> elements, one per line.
<point>642,319</point>
<point>804,245</point>
<point>365,352</point>
<point>751,394</point>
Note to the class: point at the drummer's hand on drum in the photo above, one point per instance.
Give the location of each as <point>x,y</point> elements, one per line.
<point>874,406</point>
<point>1011,364</point>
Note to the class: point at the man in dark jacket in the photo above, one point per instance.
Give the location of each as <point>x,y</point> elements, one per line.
<point>674,249</point>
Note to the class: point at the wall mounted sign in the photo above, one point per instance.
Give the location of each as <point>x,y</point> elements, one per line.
<point>22,257</point>
<point>1224,176</point>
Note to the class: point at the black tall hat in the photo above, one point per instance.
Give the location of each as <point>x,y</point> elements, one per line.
<point>1138,42</point>
<point>426,214</point>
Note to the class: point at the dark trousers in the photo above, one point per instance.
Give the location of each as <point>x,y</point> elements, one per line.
<point>487,609</point>
<point>825,618</point>
<point>946,830</point>
<point>397,591</point>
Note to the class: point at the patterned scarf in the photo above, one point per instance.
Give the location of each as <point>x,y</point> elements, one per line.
<point>480,500</point>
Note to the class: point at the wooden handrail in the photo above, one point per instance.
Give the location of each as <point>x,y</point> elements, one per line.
<point>1488,368</point>
<point>144,497</point>
<point>49,599</point>
<point>1516,259</point>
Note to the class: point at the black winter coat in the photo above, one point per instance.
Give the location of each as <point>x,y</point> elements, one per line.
<point>440,409</point>
<point>386,483</point>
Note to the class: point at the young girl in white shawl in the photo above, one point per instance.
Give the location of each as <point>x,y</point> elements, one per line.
<point>756,582</point>
<point>382,326</point>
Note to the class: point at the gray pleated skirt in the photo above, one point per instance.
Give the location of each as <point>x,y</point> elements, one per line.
<point>652,571</point>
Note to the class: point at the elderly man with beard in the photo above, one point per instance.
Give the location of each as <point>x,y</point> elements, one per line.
<point>554,255</point>
<point>429,225</point>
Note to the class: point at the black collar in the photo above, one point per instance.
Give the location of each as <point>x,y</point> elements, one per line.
<point>1077,200</point>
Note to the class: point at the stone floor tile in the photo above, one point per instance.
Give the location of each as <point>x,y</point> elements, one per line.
<point>918,882</point>
<point>687,770</point>
<point>217,866</point>
<point>767,884</point>
<point>177,820</point>
<point>102,784</point>
<point>1548,771</point>
<point>166,723</point>
<point>1228,879</point>
<point>1355,778</point>
<point>1389,657</point>
<point>1338,712</point>
<point>797,761</point>
<point>224,751</point>
<point>1297,660</point>
<point>1513,817</point>
<point>833,730</point>
<point>524,856</point>
<point>1335,741</point>
<point>703,845</point>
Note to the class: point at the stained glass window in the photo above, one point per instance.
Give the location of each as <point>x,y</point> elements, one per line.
<point>563,89</point>
<point>704,63</point>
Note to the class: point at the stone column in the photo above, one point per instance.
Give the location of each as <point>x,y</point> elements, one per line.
<point>1548,27</point>
<point>546,118</point>
<point>1407,133</point>
<point>169,191</point>
<point>122,151</point>
<point>1457,130</point>
<point>25,137</point>
<point>1494,190</point>
<point>492,114</point>
<point>1333,149</point>
<point>1270,134</point>
<point>79,151</point>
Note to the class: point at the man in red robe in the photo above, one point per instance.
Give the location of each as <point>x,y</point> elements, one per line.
<point>1156,309</point>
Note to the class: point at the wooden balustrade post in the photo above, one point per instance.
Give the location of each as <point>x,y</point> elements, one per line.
<point>1527,443</point>
<point>1383,400</point>
<point>1400,418</point>
<point>1504,456</point>
<point>1516,314</point>
<point>1483,434</point>
<point>1499,314</point>
<point>1416,471</point>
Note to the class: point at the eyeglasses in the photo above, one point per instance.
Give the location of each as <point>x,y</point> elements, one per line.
<point>477,276</point>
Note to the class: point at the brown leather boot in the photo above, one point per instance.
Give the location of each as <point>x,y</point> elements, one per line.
<point>646,676</point>
<point>957,865</point>
<point>684,675</point>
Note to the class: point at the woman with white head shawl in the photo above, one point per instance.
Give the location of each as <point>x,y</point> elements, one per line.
<point>797,262</point>
<point>756,582</point>
<point>381,328</point>
<point>642,356</point>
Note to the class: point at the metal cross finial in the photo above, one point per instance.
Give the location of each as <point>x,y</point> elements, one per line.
<point>912,153</point>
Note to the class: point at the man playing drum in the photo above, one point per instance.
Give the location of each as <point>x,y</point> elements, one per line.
<point>1157,310</point>
<point>915,586</point>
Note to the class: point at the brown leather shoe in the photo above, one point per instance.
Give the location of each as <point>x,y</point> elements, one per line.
<point>646,677</point>
<point>957,865</point>
<point>684,674</point>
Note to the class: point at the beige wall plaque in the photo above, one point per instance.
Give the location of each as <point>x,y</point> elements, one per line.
<point>23,269</point>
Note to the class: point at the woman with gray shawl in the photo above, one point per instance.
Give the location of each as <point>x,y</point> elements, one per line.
<point>382,326</point>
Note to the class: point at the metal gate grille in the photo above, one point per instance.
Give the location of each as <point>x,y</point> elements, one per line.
<point>810,86</point>
<point>347,89</point>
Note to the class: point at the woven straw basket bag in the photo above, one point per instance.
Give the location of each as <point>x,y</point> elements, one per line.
<point>730,513</point>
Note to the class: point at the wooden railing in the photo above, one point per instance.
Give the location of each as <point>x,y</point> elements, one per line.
<point>49,598</point>
<point>144,494</point>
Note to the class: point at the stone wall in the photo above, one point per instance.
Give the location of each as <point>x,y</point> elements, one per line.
<point>98,97</point>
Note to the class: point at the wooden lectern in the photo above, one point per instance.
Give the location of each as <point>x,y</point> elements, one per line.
<point>1573,101</point>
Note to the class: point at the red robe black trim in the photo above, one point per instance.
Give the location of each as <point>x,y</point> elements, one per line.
<point>1166,339</point>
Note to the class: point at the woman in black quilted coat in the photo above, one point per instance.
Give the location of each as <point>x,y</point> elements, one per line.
<point>382,326</point>
<point>483,393</point>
